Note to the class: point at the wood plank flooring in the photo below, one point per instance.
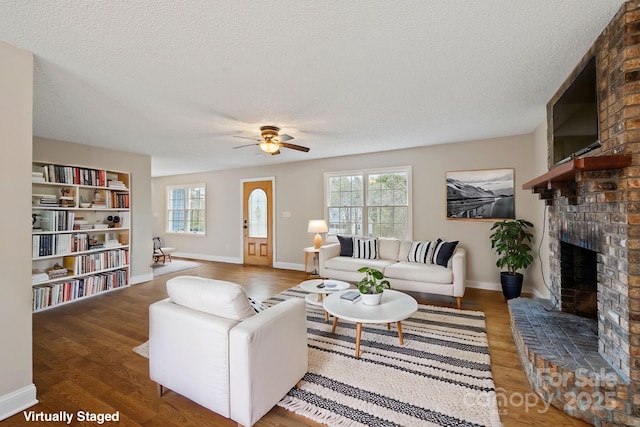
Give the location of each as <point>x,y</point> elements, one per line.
<point>82,357</point>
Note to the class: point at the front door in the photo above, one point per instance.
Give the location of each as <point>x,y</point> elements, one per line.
<point>257,223</point>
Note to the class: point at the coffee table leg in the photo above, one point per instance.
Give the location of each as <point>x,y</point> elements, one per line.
<point>358,332</point>
<point>335,323</point>
<point>400,333</point>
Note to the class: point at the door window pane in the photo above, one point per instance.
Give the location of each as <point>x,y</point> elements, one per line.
<point>258,214</point>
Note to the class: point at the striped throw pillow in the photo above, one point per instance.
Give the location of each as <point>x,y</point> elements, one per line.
<point>365,248</point>
<point>422,251</point>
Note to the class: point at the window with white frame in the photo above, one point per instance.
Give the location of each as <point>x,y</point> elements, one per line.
<point>375,203</point>
<point>186,209</point>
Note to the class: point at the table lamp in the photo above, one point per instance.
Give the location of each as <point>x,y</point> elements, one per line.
<point>317,226</point>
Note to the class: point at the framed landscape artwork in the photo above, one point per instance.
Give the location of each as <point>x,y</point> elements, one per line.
<point>484,195</point>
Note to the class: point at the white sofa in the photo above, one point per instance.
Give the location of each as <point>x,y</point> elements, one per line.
<point>207,344</point>
<point>402,275</point>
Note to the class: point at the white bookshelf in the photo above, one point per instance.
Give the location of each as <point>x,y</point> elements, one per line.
<point>81,222</point>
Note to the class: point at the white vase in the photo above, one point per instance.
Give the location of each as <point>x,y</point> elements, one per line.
<point>371,299</point>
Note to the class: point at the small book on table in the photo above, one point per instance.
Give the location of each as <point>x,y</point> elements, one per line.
<point>350,296</point>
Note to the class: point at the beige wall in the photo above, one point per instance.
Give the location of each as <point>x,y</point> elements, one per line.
<point>540,161</point>
<point>299,191</point>
<point>138,165</point>
<point>17,391</point>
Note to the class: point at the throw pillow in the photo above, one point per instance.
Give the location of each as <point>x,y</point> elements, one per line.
<point>256,305</point>
<point>422,251</point>
<point>443,252</point>
<point>365,248</point>
<point>346,245</point>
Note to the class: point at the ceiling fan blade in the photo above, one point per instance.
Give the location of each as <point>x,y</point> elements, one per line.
<point>246,137</point>
<point>275,152</point>
<point>294,147</point>
<point>284,137</point>
<point>248,145</point>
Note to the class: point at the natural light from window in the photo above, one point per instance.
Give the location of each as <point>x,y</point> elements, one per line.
<point>374,203</point>
<point>186,209</point>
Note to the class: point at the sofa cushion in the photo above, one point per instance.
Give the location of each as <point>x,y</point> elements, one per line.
<point>443,252</point>
<point>346,245</point>
<point>403,252</point>
<point>365,248</point>
<point>419,272</point>
<point>422,252</point>
<point>217,297</point>
<point>388,249</point>
<point>353,264</point>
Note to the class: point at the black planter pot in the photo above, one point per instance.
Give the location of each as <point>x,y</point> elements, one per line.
<point>511,284</point>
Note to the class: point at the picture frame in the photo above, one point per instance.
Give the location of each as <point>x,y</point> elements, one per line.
<point>481,195</point>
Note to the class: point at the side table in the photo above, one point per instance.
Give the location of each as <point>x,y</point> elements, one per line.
<point>315,252</point>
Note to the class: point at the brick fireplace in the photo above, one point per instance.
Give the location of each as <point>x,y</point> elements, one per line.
<point>594,219</point>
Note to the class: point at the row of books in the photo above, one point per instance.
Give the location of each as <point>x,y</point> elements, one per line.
<point>121,201</point>
<point>53,220</point>
<point>59,244</point>
<point>56,293</point>
<point>74,175</point>
<point>88,263</point>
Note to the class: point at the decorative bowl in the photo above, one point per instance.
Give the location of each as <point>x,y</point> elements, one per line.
<point>85,205</point>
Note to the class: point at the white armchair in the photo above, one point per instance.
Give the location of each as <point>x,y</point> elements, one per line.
<point>206,343</point>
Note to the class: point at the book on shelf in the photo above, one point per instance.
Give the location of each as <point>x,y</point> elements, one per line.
<point>38,276</point>
<point>116,184</point>
<point>351,296</point>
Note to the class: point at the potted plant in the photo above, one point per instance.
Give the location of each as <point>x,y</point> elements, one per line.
<point>510,240</point>
<point>372,285</point>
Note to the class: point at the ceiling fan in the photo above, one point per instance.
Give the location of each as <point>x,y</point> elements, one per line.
<point>271,141</point>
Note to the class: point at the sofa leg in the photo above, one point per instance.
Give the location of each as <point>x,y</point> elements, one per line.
<point>458,301</point>
<point>160,390</point>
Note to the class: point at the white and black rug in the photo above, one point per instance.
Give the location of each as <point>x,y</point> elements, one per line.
<point>441,376</point>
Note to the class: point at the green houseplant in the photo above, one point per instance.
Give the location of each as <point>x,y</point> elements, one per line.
<point>372,285</point>
<point>510,239</point>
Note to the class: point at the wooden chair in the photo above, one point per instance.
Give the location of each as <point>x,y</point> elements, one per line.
<point>160,252</point>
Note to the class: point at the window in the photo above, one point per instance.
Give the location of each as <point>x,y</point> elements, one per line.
<point>186,209</point>
<point>373,203</point>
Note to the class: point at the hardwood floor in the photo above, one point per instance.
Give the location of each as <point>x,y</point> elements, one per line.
<point>83,360</point>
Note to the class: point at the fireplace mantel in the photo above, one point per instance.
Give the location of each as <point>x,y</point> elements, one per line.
<point>566,172</point>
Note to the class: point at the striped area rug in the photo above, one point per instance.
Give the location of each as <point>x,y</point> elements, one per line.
<point>440,377</point>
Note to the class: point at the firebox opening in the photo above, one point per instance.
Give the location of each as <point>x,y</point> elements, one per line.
<point>579,282</point>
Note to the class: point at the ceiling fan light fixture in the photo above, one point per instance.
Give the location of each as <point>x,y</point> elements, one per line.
<point>269,146</point>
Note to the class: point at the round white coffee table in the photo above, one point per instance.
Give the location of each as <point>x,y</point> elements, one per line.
<point>318,288</point>
<point>394,307</point>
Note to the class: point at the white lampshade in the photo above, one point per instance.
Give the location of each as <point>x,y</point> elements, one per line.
<point>317,226</point>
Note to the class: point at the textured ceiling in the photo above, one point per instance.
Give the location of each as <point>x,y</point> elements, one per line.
<point>177,79</point>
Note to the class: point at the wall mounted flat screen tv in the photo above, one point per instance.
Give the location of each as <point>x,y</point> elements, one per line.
<point>575,117</point>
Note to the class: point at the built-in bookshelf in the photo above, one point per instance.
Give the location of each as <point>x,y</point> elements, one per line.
<point>81,228</point>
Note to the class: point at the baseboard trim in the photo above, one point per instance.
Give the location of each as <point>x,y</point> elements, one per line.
<point>134,280</point>
<point>288,266</point>
<point>203,257</point>
<point>489,286</point>
<point>16,401</point>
